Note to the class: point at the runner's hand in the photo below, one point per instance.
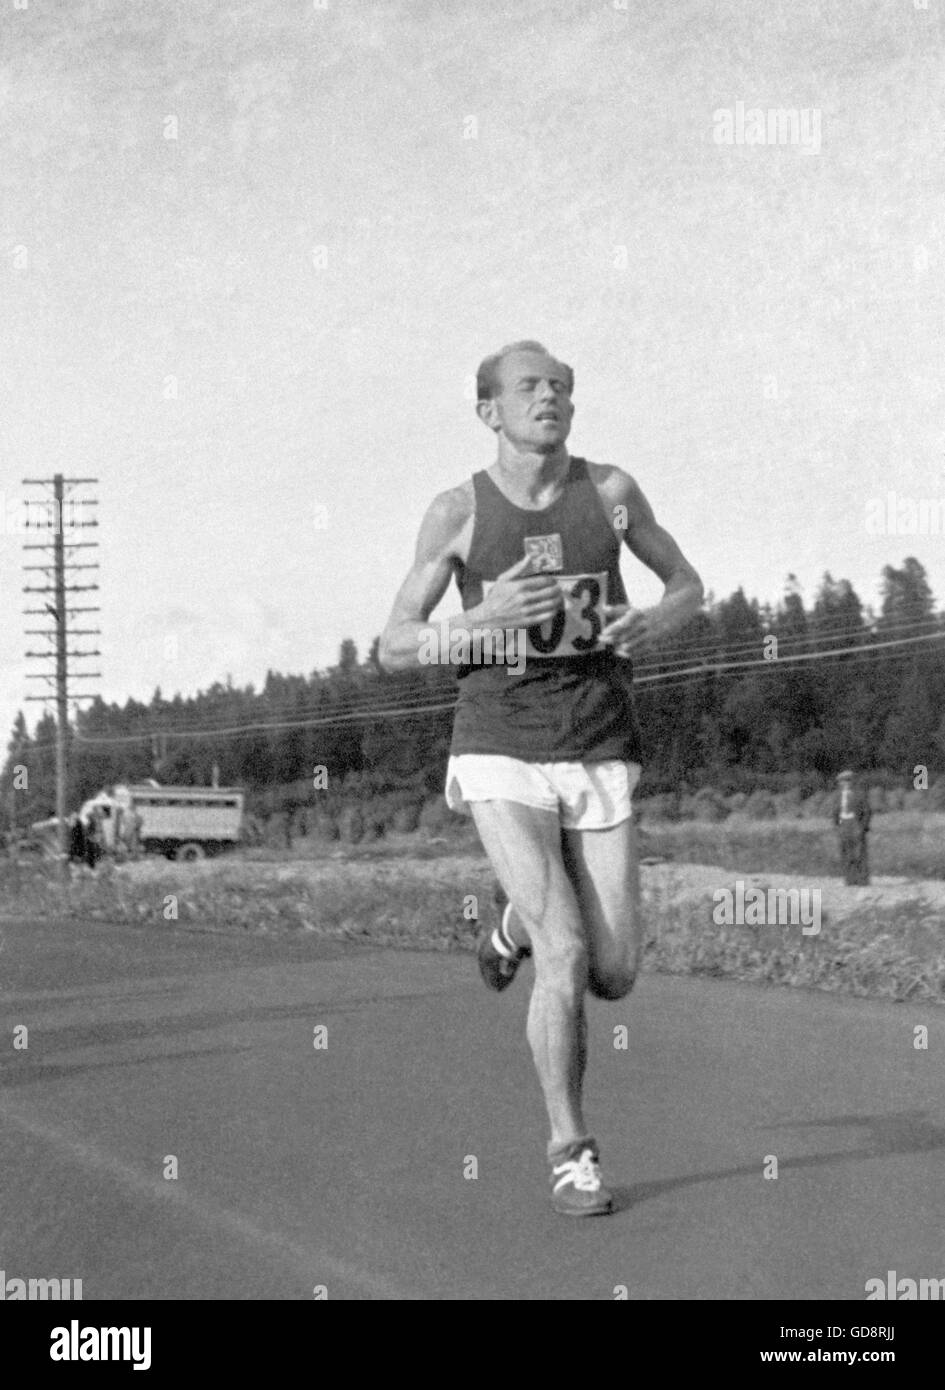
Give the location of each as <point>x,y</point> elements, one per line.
<point>520,599</point>
<point>629,629</point>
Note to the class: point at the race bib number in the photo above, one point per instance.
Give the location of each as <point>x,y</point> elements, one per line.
<point>575,629</point>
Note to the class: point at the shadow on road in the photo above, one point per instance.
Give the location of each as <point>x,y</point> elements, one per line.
<point>903,1132</point>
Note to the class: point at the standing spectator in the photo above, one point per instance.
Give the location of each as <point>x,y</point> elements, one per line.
<point>77,840</point>
<point>106,827</point>
<point>852,818</point>
<point>119,834</point>
<point>93,838</point>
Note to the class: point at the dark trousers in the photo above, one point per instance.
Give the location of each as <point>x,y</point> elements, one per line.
<point>853,855</point>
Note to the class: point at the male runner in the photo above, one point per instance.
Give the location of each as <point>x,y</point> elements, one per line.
<point>546,758</point>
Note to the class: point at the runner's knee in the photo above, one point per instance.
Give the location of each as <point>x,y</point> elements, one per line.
<point>561,963</point>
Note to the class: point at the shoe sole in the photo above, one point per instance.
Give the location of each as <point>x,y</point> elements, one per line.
<point>583,1211</point>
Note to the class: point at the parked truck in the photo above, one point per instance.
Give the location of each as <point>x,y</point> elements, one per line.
<point>184,823</point>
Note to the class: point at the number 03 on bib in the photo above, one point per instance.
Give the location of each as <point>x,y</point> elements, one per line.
<point>574,630</point>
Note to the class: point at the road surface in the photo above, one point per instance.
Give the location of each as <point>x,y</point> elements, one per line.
<point>348,1168</point>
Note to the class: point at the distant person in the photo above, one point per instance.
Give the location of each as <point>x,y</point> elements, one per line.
<point>107,828</point>
<point>77,841</point>
<point>852,818</point>
<point>125,833</point>
<point>119,834</point>
<point>135,826</point>
<point>94,847</point>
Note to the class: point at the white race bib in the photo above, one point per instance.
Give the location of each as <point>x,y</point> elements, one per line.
<point>574,630</point>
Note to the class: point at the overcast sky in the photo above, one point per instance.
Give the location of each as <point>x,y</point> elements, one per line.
<point>253,252</point>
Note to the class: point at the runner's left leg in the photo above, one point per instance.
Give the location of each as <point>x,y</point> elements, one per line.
<point>604,868</point>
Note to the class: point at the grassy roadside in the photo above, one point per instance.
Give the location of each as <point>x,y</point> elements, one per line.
<point>900,842</point>
<point>386,903</point>
<point>893,949</point>
<point>890,952</point>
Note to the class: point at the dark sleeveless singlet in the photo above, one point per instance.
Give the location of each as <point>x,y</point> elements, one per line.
<point>571,708</point>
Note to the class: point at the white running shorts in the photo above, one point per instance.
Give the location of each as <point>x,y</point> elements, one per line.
<point>586,796</point>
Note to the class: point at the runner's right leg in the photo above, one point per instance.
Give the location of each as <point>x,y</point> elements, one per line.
<point>524,847</point>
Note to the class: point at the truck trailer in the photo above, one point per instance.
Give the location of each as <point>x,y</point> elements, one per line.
<point>184,823</point>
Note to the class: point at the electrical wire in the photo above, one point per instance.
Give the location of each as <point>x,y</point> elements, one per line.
<point>836,656</point>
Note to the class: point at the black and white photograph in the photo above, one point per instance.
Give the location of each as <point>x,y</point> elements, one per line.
<point>472,665</point>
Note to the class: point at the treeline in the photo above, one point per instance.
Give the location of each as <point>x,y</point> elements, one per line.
<point>724,703</point>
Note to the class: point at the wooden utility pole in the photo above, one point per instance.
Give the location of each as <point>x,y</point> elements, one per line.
<point>59,635</point>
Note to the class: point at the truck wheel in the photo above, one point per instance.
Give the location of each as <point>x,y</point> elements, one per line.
<point>188,853</point>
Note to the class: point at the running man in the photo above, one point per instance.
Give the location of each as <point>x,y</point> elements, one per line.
<point>545,752</point>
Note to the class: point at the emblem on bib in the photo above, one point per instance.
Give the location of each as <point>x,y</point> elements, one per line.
<point>547,553</point>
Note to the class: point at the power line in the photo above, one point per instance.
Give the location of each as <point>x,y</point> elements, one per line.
<point>674,680</point>
<point>722,649</point>
<point>393,690</point>
<point>244,729</point>
<point>814,634</point>
<point>377,701</point>
<point>779,660</point>
<point>848,656</point>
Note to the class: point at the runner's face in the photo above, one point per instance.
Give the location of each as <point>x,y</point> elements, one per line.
<point>533,406</point>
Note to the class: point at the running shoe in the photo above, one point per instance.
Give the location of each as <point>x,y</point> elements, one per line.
<point>576,1187</point>
<point>499,957</point>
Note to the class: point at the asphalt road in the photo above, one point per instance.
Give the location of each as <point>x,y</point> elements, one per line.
<point>344,1167</point>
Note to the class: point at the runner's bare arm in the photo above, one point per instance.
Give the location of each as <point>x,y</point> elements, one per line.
<point>517,599</point>
<point>655,548</point>
<point>426,583</point>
